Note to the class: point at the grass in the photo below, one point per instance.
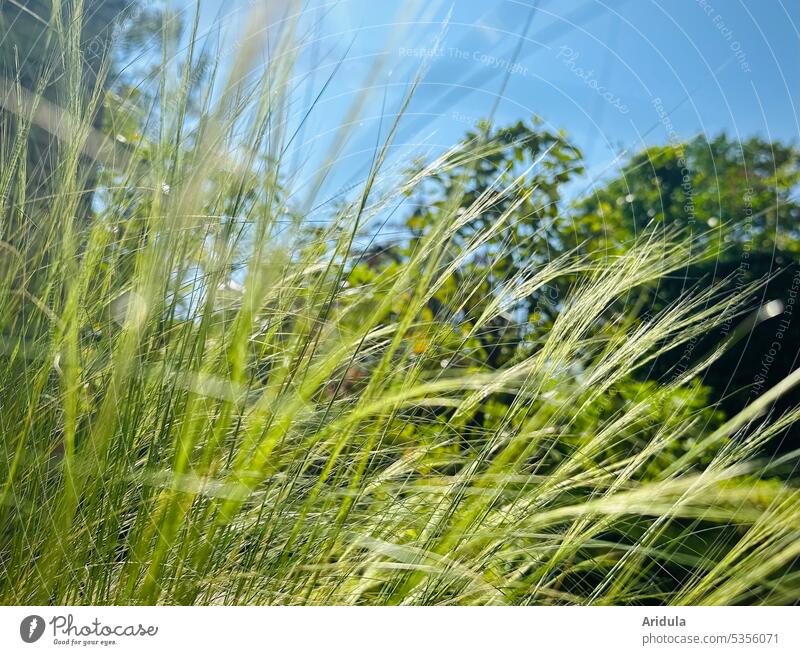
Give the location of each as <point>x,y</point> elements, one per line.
<point>200,405</point>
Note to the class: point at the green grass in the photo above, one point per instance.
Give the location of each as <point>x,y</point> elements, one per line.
<point>169,437</point>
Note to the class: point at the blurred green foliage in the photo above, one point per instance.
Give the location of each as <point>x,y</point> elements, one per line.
<point>736,202</point>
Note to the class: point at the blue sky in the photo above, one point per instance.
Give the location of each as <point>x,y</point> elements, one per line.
<point>600,69</point>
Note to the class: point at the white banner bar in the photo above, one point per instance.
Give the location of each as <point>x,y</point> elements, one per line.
<point>399,630</point>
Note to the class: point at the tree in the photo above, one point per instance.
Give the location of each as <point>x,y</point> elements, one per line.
<point>34,56</point>
<point>510,179</point>
<point>739,201</point>
<point>513,179</point>
<point>734,201</point>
